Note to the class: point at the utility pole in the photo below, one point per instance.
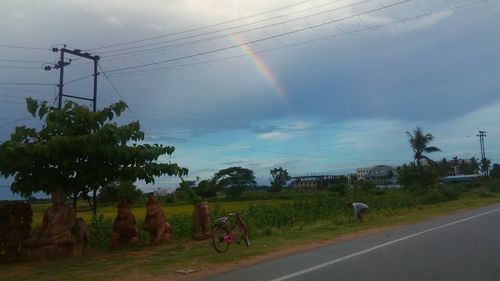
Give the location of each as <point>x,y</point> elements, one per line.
<point>482,135</point>
<point>61,64</point>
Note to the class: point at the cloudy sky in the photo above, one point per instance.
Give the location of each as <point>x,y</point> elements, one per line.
<point>318,86</point>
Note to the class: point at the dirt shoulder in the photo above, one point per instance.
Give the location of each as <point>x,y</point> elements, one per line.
<point>201,273</point>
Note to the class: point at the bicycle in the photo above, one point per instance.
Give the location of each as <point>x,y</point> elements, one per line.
<point>223,234</point>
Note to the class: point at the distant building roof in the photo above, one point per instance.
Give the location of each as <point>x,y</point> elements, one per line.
<point>459,178</point>
<point>380,171</point>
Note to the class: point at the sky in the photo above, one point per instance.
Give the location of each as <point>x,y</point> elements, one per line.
<point>315,87</point>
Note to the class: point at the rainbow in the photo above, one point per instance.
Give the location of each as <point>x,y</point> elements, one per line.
<point>260,64</point>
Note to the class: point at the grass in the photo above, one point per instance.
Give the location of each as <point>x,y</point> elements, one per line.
<point>145,261</point>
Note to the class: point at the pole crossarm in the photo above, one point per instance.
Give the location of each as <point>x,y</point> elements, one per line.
<point>61,64</point>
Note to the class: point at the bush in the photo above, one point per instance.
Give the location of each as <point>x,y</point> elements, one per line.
<point>432,197</point>
<point>339,188</point>
<point>100,229</point>
<point>451,192</point>
<point>410,176</point>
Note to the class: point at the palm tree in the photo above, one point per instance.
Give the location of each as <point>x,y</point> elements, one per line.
<point>443,166</point>
<point>419,143</point>
<point>471,166</point>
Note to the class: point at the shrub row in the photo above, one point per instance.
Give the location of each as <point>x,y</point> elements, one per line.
<point>261,219</point>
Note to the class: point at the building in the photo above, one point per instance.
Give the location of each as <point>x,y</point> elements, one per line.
<point>161,191</point>
<point>361,173</point>
<point>315,181</point>
<point>460,178</point>
<point>382,174</point>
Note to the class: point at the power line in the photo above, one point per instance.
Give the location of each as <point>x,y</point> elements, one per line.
<point>78,79</point>
<point>24,61</point>
<point>202,27</point>
<point>266,26</point>
<point>283,153</point>
<point>258,40</point>
<point>247,24</point>
<point>13,122</point>
<point>27,83</point>
<point>404,20</point>
<point>121,97</point>
<point>27,91</point>
<point>19,67</point>
<point>24,47</point>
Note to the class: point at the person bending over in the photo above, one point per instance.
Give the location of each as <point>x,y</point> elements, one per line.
<point>358,209</point>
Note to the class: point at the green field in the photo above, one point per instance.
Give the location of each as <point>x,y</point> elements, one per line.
<point>109,211</point>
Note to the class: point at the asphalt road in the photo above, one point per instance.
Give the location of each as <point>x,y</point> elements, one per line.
<point>464,246</point>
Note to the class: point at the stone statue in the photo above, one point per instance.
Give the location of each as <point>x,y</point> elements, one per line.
<point>15,226</point>
<point>156,223</point>
<point>55,238</point>
<point>124,228</point>
<point>201,221</point>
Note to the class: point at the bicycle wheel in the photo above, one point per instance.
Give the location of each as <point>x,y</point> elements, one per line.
<point>218,233</point>
<point>243,229</point>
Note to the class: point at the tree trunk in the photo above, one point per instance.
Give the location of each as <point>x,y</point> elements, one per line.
<point>94,202</point>
<point>422,180</point>
<point>75,202</point>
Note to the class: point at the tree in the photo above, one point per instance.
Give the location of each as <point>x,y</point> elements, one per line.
<point>235,180</point>
<point>279,178</point>
<point>186,192</point>
<point>116,191</point>
<point>444,166</point>
<point>409,175</point>
<point>495,171</point>
<point>419,143</point>
<point>485,166</point>
<point>206,189</point>
<point>80,151</point>
<point>469,167</point>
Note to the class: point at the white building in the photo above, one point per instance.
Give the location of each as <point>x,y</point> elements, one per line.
<point>161,191</point>
<point>361,173</point>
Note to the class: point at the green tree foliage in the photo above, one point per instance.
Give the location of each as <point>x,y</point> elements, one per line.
<point>366,185</point>
<point>235,180</point>
<point>206,189</point>
<point>495,171</point>
<point>469,167</point>
<point>340,185</point>
<point>419,143</point>
<point>185,192</point>
<point>279,178</point>
<point>116,191</point>
<point>461,166</point>
<point>80,151</point>
<point>411,175</point>
<point>485,166</point>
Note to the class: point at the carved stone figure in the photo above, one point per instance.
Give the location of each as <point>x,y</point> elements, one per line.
<point>201,221</point>
<point>55,238</point>
<point>81,233</point>
<point>156,223</point>
<point>15,226</point>
<point>124,228</point>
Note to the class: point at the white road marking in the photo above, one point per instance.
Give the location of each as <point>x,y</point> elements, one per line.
<point>379,246</point>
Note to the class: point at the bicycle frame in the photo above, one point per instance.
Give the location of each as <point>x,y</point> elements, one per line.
<point>228,231</point>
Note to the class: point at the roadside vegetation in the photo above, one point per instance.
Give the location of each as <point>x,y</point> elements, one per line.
<point>284,227</point>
